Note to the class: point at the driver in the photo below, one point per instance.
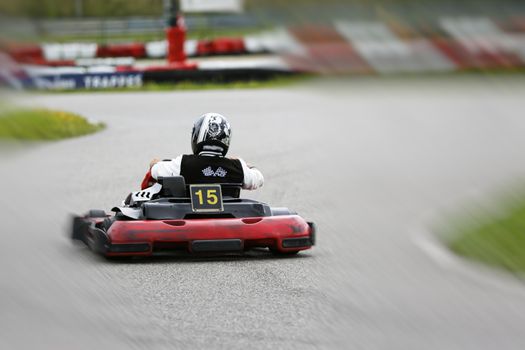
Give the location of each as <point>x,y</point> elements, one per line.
<point>210,140</point>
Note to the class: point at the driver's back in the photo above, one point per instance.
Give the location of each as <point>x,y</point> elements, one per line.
<point>211,169</point>
<point>204,169</point>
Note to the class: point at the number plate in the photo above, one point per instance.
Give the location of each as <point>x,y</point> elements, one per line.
<point>206,198</point>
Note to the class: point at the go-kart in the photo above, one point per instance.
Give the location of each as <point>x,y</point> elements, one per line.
<point>204,218</point>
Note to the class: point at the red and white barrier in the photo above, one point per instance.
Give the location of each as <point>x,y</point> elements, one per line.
<point>345,46</point>
<point>485,44</point>
<point>69,51</point>
<point>387,53</point>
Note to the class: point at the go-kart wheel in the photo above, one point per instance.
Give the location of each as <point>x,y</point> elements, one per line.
<point>96,213</point>
<point>79,229</point>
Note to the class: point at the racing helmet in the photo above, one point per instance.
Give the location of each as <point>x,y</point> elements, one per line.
<point>211,134</point>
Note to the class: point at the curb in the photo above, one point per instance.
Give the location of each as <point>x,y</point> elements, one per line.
<point>434,248</point>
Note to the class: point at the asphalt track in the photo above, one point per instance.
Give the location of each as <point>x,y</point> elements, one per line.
<point>370,161</point>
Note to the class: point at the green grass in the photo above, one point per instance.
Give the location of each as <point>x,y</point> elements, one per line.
<point>42,124</point>
<point>110,38</point>
<point>497,240</point>
<point>103,38</point>
<point>124,8</point>
<point>100,38</point>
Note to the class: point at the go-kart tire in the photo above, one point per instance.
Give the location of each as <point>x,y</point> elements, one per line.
<point>98,241</point>
<point>79,228</point>
<point>96,213</point>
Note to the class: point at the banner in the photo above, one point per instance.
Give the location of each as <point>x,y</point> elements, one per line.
<point>87,81</point>
<point>211,5</point>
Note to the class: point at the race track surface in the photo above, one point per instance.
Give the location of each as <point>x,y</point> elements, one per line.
<point>374,163</point>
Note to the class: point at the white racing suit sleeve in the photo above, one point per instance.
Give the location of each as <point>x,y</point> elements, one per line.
<point>166,168</point>
<point>253,178</point>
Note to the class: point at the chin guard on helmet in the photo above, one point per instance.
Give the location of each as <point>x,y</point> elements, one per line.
<point>211,135</point>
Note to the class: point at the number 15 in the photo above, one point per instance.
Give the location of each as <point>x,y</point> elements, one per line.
<point>211,197</point>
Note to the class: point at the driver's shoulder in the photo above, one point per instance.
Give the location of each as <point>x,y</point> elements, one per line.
<point>172,160</point>
<point>166,167</point>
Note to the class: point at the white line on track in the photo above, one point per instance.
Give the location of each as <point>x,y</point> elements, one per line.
<point>431,245</point>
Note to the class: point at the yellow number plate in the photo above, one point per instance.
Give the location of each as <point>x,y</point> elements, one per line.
<point>206,198</point>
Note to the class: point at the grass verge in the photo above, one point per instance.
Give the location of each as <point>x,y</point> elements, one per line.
<point>497,240</point>
<point>110,38</point>
<point>42,124</point>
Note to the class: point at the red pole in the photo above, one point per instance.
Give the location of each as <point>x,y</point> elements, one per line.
<point>176,34</point>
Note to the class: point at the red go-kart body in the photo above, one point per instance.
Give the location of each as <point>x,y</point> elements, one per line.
<point>170,223</point>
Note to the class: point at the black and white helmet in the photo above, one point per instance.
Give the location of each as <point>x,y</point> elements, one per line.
<point>211,135</point>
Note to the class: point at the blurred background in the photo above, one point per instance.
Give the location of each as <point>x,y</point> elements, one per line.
<point>397,126</point>
<point>297,36</point>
